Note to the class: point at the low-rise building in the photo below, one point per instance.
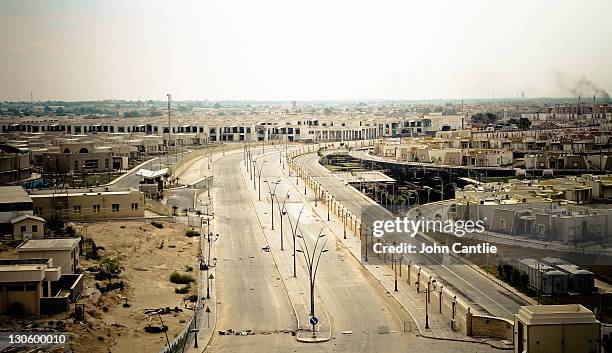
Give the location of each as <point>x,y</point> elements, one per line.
<point>27,227</point>
<point>31,287</point>
<point>14,202</point>
<point>554,209</point>
<point>580,280</point>
<point>14,164</point>
<point>94,203</point>
<point>556,328</point>
<point>152,182</point>
<point>63,251</point>
<point>543,277</point>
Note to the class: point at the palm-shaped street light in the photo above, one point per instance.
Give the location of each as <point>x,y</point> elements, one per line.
<point>312,258</point>
<point>282,211</point>
<point>272,191</point>
<point>294,230</point>
<point>259,176</point>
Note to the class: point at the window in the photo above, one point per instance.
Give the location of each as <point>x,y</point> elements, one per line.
<point>134,206</point>
<point>502,223</point>
<point>77,208</point>
<point>96,208</point>
<point>91,164</point>
<point>34,228</point>
<point>23,229</point>
<point>37,210</point>
<point>115,207</point>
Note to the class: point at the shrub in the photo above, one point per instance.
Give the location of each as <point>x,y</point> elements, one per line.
<point>192,233</point>
<point>157,224</point>
<point>182,290</point>
<point>178,278</point>
<point>192,298</point>
<point>109,268</point>
<point>70,231</point>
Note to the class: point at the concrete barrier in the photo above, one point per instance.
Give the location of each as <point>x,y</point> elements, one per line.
<point>489,326</point>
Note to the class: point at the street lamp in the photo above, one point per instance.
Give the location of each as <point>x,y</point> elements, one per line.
<point>394,261</point>
<point>272,195</point>
<point>430,282</point>
<point>428,191</point>
<point>364,232</point>
<point>294,230</point>
<point>259,177</point>
<point>209,279</point>
<point>344,217</point>
<point>282,211</point>
<point>312,262</point>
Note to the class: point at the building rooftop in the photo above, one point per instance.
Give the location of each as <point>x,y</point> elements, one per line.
<point>555,314</point>
<point>13,194</point>
<point>49,244</point>
<point>145,173</point>
<point>535,264</point>
<point>26,216</point>
<point>81,192</point>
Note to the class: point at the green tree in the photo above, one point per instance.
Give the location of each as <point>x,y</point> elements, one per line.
<point>524,123</point>
<point>486,118</point>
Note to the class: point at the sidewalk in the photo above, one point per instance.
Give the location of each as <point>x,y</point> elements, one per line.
<point>298,289</point>
<point>406,296</point>
<point>206,322</point>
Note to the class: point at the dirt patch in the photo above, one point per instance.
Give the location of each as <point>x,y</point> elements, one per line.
<point>147,256</point>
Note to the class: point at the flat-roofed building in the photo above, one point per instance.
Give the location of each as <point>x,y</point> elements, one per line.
<point>63,251</point>
<point>21,284</point>
<point>94,203</point>
<point>31,287</point>
<point>543,277</point>
<point>556,328</point>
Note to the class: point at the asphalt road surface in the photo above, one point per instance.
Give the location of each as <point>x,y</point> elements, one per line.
<point>251,296</point>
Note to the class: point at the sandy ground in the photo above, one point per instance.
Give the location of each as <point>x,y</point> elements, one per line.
<point>145,270</point>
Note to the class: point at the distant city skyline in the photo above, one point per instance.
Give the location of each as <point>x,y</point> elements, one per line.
<point>316,50</point>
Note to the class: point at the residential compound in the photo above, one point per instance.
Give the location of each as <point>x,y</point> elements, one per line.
<point>557,209</point>
<point>202,127</point>
<point>578,148</point>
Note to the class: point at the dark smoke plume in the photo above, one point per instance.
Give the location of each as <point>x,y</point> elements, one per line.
<point>581,86</point>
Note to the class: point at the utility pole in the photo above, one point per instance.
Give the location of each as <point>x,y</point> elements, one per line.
<point>169,130</point>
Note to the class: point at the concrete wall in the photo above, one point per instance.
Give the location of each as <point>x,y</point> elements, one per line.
<point>28,300</point>
<point>490,326</point>
<point>62,258</point>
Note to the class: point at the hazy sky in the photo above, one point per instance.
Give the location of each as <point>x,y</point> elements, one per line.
<point>309,49</point>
